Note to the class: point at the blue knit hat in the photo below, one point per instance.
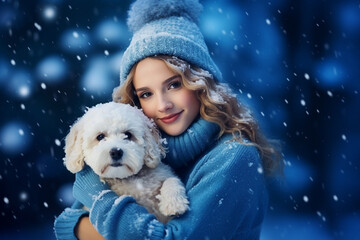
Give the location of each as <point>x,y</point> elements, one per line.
<point>166,27</point>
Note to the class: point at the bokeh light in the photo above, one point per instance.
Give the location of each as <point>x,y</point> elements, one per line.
<point>20,84</point>
<point>65,193</point>
<point>298,176</point>
<point>49,12</point>
<point>52,69</point>
<point>97,79</point>
<point>330,73</point>
<point>111,32</point>
<point>75,40</point>
<point>349,17</point>
<point>14,138</point>
<point>7,16</point>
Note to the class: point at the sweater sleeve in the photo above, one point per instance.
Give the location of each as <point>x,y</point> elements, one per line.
<point>228,194</point>
<point>65,223</point>
<point>227,197</point>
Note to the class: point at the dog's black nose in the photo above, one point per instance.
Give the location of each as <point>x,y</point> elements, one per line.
<point>116,154</point>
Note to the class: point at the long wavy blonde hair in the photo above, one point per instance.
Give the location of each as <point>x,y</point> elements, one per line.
<point>218,105</point>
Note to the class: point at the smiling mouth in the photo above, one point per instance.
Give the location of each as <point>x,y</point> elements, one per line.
<point>171,118</point>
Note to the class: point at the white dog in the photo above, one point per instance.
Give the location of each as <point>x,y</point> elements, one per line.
<point>124,148</point>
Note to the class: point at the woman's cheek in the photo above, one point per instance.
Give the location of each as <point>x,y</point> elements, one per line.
<point>148,111</point>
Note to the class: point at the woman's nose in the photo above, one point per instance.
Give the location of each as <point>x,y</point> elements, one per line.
<point>164,104</point>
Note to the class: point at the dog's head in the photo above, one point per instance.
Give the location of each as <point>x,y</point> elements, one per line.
<point>115,140</point>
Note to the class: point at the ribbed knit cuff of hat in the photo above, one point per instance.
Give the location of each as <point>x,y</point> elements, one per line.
<point>65,223</point>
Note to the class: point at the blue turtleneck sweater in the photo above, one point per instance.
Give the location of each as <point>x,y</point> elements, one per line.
<point>224,182</point>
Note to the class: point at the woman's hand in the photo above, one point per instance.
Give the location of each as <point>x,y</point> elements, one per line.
<point>87,186</point>
<point>85,230</point>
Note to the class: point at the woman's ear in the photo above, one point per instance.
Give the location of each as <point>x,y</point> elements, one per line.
<point>74,157</point>
<point>154,149</point>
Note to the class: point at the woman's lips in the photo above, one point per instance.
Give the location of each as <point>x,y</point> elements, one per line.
<point>171,118</point>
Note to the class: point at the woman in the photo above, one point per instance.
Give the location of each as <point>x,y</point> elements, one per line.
<point>213,143</point>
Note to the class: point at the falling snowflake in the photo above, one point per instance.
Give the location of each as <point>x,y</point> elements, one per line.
<point>57,142</point>
<point>306,76</point>
<point>21,132</point>
<point>38,27</point>
<point>343,136</point>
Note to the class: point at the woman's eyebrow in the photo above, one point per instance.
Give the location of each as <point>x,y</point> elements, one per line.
<point>165,82</point>
<point>141,89</point>
<point>170,79</point>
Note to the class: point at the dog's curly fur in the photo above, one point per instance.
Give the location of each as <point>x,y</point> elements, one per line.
<point>124,148</point>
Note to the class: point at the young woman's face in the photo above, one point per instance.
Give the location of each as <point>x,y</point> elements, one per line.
<point>163,97</point>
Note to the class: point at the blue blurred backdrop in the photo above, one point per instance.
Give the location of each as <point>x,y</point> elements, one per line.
<point>295,63</point>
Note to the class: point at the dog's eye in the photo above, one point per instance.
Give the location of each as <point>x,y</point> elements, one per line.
<point>128,135</point>
<point>100,137</point>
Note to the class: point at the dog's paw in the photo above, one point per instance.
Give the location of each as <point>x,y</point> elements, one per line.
<point>172,197</point>
<point>173,206</point>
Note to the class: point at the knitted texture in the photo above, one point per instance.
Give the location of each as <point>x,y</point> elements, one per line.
<point>65,223</point>
<point>144,11</point>
<point>87,186</point>
<point>169,28</point>
<point>225,186</point>
<point>191,144</point>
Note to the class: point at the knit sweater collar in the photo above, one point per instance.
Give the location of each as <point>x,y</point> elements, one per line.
<point>183,149</point>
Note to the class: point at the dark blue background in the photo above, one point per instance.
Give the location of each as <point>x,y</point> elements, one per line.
<point>295,63</point>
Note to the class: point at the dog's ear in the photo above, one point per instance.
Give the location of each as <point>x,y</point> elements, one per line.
<point>154,149</point>
<point>74,157</point>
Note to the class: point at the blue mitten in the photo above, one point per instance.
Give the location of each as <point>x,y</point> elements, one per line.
<point>87,186</point>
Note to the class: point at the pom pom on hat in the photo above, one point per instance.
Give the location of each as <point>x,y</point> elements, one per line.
<point>166,27</point>
<point>144,11</point>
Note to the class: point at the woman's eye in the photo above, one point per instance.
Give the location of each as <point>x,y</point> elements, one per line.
<point>128,135</point>
<point>100,137</point>
<point>176,84</point>
<point>145,95</point>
